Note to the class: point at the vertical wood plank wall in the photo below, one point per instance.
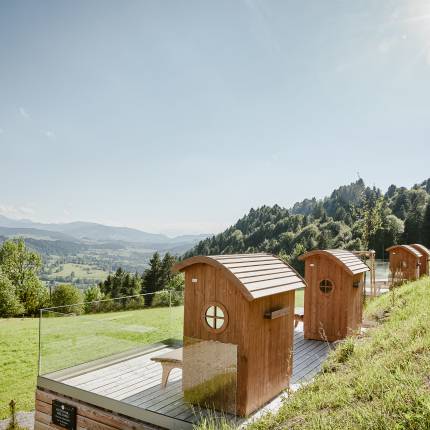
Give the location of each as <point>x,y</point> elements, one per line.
<point>270,349</point>
<point>264,346</point>
<point>334,315</point>
<point>424,265</point>
<point>398,257</point>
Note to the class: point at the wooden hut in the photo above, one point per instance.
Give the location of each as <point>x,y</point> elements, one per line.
<point>404,263</point>
<point>425,258</point>
<point>333,297</point>
<point>245,300</point>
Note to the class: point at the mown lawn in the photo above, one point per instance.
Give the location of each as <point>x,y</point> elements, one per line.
<point>18,363</point>
<point>69,341</point>
<point>378,381</point>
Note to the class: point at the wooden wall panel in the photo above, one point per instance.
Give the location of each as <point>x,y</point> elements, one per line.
<point>264,346</point>
<point>424,265</point>
<point>404,264</point>
<point>88,417</point>
<point>334,315</point>
<point>213,286</point>
<point>270,349</point>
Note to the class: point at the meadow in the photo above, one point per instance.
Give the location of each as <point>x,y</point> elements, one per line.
<point>85,271</point>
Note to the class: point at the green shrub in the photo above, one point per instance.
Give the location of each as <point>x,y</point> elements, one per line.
<point>92,297</point>
<point>21,266</point>
<point>69,297</point>
<point>10,306</point>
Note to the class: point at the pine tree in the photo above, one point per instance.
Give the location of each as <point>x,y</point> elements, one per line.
<point>117,280</point>
<point>152,278</point>
<point>425,228</point>
<point>166,269</point>
<point>413,226</point>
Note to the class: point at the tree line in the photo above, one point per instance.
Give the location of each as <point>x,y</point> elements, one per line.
<point>23,294</point>
<point>157,277</point>
<point>354,217</point>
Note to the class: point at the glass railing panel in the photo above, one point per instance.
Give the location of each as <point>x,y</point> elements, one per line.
<point>80,334</point>
<point>209,377</point>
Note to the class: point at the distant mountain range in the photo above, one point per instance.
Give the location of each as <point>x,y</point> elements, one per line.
<point>92,233</point>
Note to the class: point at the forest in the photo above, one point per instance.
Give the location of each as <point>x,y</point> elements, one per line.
<point>354,217</point>
<point>22,293</point>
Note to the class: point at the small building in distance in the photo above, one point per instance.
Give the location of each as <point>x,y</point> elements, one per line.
<point>334,294</point>
<point>237,307</point>
<point>425,258</point>
<point>404,264</point>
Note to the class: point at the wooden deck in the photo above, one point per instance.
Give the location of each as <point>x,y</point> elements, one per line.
<point>135,382</point>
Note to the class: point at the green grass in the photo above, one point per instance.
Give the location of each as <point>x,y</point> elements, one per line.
<point>73,340</point>
<point>81,271</point>
<point>378,381</point>
<point>68,341</point>
<point>299,299</point>
<point>18,363</point>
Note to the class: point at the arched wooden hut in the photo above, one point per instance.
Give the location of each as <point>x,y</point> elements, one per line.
<point>425,258</point>
<point>245,300</point>
<point>333,297</point>
<point>404,262</point>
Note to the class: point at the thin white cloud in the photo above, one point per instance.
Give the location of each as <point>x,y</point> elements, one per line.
<point>13,211</point>
<point>1,131</point>
<point>23,113</point>
<point>49,134</point>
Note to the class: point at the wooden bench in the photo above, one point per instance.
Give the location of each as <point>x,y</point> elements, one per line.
<point>298,316</point>
<point>169,361</point>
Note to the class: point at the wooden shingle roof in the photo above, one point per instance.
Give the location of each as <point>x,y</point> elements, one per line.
<point>257,275</point>
<point>421,249</point>
<point>408,248</point>
<point>347,259</point>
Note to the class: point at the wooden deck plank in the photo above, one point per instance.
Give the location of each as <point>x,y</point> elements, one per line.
<point>131,383</point>
<point>139,398</point>
<point>147,399</point>
<point>137,381</point>
<point>143,360</point>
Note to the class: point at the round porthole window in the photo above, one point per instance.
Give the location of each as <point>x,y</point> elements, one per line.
<point>215,317</point>
<point>326,286</point>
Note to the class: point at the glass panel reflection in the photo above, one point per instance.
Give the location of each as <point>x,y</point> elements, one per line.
<point>209,376</point>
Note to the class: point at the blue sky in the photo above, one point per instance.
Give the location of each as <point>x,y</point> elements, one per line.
<point>178,117</point>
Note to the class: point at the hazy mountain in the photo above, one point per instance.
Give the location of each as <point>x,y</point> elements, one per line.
<point>34,233</point>
<point>88,231</point>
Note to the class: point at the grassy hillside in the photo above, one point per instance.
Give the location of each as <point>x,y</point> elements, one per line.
<point>378,381</point>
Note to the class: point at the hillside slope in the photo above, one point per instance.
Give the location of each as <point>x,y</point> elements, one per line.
<point>378,381</point>
<point>353,217</point>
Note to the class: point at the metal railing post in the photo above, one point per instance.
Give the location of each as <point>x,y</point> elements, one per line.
<point>40,343</point>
